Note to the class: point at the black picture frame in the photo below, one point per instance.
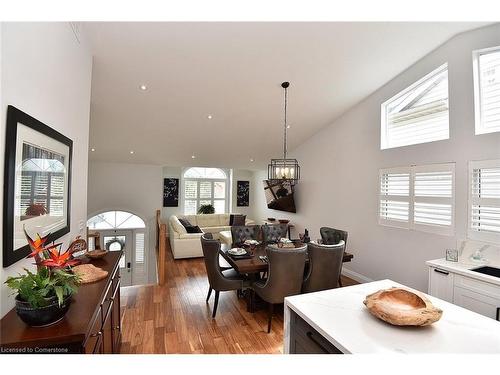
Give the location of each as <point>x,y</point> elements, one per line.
<point>170,192</point>
<point>14,117</point>
<point>243,193</point>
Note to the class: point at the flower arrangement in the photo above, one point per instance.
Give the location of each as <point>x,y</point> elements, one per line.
<point>54,279</point>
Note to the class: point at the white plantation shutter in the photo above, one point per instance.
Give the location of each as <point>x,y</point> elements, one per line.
<point>418,197</point>
<point>394,199</point>
<point>419,113</point>
<point>433,209</point>
<point>487,90</point>
<point>484,201</point>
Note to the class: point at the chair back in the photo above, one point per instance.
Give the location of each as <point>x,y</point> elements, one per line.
<point>241,233</point>
<point>271,233</point>
<point>211,250</point>
<point>285,274</point>
<point>325,265</point>
<point>332,236</point>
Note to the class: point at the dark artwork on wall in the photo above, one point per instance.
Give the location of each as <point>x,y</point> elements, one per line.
<point>37,175</point>
<point>170,192</point>
<point>242,193</point>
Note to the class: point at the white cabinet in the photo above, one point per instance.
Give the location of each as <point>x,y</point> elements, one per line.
<point>475,295</point>
<point>441,284</point>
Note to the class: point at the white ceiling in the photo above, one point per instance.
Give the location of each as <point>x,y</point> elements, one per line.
<point>233,71</point>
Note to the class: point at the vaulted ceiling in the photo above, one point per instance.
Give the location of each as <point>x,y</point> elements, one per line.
<point>233,72</point>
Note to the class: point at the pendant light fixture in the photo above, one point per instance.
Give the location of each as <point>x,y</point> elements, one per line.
<point>284,170</point>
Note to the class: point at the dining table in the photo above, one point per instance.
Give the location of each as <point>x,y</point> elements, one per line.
<point>255,264</point>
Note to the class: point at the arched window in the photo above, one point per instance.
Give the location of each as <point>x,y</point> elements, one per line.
<point>205,186</point>
<point>115,220</point>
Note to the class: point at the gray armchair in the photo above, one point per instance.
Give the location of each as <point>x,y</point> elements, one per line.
<point>218,279</point>
<point>271,233</point>
<point>332,236</point>
<point>285,275</point>
<point>325,264</point>
<point>241,233</point>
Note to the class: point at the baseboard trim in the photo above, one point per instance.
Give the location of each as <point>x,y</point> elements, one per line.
<point>356,276</point>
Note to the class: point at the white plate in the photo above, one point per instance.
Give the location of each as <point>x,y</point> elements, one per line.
<point>237,251</point>
<point>251,242</point>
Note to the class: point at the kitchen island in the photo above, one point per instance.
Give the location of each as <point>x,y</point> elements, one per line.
<point>337,321</point>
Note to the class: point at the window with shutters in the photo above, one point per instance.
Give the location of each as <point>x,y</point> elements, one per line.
<point>205,186</point>
<point>418,197</point>
<point>487,90</point>
<point>484,200</point>
<point>417,114</point>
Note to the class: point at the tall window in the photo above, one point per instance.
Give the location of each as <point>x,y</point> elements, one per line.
<point>484,200</point>
<point>487,90</point>
<point>205,186</point>
<point>418,197</point>
<point>417,114</point>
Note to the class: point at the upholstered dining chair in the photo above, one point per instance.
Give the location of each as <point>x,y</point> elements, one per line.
<point>285,275</point>
<point>332,236</point>
<point>241,233</point>
<point>325,264</point>
<point>218,280</point>
<point>271,233</point>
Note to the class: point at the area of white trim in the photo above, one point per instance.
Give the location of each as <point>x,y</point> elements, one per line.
<point>356,276</point>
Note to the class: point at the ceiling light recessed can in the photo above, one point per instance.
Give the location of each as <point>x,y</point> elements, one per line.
<point>209,117</point>
<point>92,149</point>
<point>251,159</point>
<point>193,157</point>
<point>143,87</point>
<point>132,152</point>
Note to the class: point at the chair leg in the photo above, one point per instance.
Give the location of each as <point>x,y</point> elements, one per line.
<point>270,317</point>
<point>216,302</point>
<point>340,281</point>
<point>209,293</point>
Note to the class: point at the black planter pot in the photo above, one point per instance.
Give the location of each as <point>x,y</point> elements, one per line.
<point>42,316</point>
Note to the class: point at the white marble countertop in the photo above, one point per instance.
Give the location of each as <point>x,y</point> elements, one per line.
<point>464,268</point>
<point>342,318</point>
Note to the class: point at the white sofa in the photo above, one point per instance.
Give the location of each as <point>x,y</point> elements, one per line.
<point>188,245</point>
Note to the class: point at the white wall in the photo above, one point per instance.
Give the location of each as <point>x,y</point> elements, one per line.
<point>339,167</point>
<point>46,72</point>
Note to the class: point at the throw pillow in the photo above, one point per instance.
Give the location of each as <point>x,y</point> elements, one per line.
<point>185,223</point>
<point>194,229</point>
<point>237,220</point>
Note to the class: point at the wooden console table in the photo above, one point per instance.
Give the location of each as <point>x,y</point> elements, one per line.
<point>92,324</point>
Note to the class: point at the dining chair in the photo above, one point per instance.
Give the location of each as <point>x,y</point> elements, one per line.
<point>285,275</point>
<point>241,233</point>
<point>325,264</point>
<point>332,236</point>
<point>219,280</point>
<point>271,233</point>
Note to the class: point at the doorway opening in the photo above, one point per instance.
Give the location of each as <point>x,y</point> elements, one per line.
<point>126,232</point>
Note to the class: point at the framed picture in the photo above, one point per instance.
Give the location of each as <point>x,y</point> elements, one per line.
<point>37,178</point>
<point>242,193</point>
<point>452,255</point>
<point>170,192</point>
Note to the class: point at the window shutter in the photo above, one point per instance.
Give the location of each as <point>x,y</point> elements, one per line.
<point>419,113</point>
<point>434,198</point>
<point>139,248</point>
<point>487,77</point>
<point>394,197</point>
<point>484,202</point>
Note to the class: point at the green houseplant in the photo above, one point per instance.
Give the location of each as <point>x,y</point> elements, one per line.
<point>206,209</point>
<point>43,297</point>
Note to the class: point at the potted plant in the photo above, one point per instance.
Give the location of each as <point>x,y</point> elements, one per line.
<point>206,209</point>
<point>43,297</point>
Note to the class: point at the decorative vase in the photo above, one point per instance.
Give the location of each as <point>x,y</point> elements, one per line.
<point>42,316</point>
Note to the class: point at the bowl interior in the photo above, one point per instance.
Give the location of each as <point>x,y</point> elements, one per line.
<point>401,299</point>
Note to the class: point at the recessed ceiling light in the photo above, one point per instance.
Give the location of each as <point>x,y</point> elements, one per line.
<point>92,149</point>
<point>209,117</point>
<point>193,157</point>
<point>288,126</point>
<point>251,159</point>
<point>143,87</point>
<point>132,151</point>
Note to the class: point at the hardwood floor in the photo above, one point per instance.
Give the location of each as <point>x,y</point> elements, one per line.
<point>174,318</point>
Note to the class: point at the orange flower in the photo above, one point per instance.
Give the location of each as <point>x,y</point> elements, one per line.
<point>58,260</point>
<point>37,245</point>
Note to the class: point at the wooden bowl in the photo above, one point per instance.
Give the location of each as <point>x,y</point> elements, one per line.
<point>401,307</point>
<point>96,254</point>
<point>284,221</point>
